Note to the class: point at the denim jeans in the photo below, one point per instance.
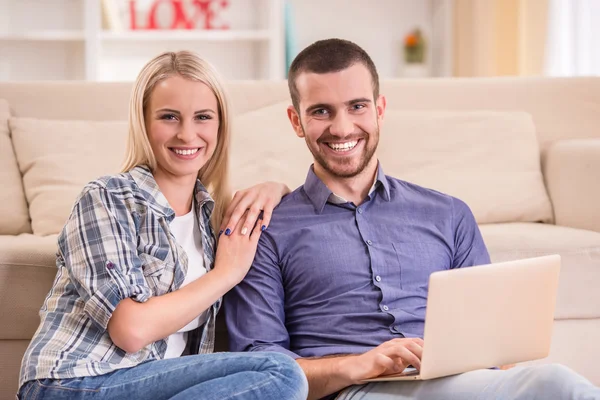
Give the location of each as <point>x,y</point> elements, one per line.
<point>540,382</point>
<point>260,376</point>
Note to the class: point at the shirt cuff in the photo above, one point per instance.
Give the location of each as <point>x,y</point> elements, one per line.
<point>105,299</point>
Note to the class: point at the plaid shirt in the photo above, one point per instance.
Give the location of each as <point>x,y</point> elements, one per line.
<point>115,245</point>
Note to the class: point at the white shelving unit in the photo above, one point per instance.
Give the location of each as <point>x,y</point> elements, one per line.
<point>64,40</point>
<point>44,36</point>
<point>184,35</point>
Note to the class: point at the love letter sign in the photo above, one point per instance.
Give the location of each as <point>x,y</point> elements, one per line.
<point>185,14</point>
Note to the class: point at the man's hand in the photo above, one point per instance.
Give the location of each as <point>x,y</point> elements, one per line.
<point>391,357</point>
<point>329,374</point>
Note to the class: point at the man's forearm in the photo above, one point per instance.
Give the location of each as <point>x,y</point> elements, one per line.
<point>326,375</point>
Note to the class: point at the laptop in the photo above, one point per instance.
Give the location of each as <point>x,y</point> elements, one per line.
<point>487,316</point>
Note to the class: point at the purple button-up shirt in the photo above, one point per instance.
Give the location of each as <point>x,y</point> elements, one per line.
<point>339,279</point>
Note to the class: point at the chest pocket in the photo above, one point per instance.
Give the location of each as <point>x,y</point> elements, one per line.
<point>418,260</point>
<point>159,274</point>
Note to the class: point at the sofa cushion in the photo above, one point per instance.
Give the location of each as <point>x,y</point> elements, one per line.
<point>571,171</point>
<point>488,159</point>
<point>279,155</point>
<point>27,270</point>
<point>57,158</point>
<point>578,294</point>
<point>11,354</point>
<point>246,96</point>
<point>13,206</point>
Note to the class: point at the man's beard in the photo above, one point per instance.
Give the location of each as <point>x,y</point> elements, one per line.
<point>370,145</point>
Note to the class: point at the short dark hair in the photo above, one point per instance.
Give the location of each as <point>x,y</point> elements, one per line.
<point>329,55</point>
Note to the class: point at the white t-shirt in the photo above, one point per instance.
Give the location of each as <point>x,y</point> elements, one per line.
<point>187,233</point>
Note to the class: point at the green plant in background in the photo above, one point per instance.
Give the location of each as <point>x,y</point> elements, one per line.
<point>414,48</point>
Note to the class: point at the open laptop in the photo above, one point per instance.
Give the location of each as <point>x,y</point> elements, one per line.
<point>487,316</point>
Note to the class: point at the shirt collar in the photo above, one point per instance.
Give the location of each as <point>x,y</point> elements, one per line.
<point>319,194</point>
<point>335,199</point>
<point>144,179</point>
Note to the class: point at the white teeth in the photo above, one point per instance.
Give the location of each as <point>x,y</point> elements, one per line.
<point>185,152</point>
<point>343,146</point>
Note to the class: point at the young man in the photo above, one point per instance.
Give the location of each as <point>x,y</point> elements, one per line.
<point>339,281</point>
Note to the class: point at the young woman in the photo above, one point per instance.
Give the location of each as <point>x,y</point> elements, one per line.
<point>131,313</point>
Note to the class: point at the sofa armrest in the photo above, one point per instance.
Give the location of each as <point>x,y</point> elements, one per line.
<point>572,173</point>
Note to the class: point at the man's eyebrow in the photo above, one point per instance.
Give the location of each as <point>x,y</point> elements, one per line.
<point>359,100</point>
<point>317,106</point>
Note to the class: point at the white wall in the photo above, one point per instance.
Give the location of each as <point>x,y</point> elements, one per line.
<point>378,26</point>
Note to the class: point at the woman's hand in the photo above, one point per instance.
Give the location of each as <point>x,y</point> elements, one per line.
<point>235,253</point>
<point>262,197</point>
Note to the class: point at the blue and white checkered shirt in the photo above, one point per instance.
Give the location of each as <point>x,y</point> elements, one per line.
<point>115,245</point>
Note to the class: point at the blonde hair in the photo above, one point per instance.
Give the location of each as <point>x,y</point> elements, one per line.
<point>214,174</point>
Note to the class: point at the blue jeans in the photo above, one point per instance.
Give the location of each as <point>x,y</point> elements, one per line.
<point>540,382</point>
<point>260,376</point>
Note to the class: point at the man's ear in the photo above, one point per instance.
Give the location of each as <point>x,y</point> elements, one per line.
<point>381,103</point>
<point>295,120</point>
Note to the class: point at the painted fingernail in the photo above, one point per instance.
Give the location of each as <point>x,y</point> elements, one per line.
<point>244,230</point>
<point>263,228</point>
<point>228,231</point>
<point>220,232</point>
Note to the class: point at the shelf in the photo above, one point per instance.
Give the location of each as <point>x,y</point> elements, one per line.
<point>185,35</point>
<point>68,38</point>
<point>44,36</point>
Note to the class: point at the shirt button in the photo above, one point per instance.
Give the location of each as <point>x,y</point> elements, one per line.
<point>359,210</point>
<point>110,265</point>
<point>378,278</point>
<point>385,308</point>
<point>369,242</point>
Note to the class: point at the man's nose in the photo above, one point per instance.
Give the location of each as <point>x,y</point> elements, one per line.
<point>342,125</point>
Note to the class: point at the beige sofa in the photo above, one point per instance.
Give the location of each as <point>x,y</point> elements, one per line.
<point>523,153</point>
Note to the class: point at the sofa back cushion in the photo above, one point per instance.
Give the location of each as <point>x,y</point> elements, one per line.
<point>57,158</point>
<point>264,147</point>
<point>14,216</point>
<point>490,160</point>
